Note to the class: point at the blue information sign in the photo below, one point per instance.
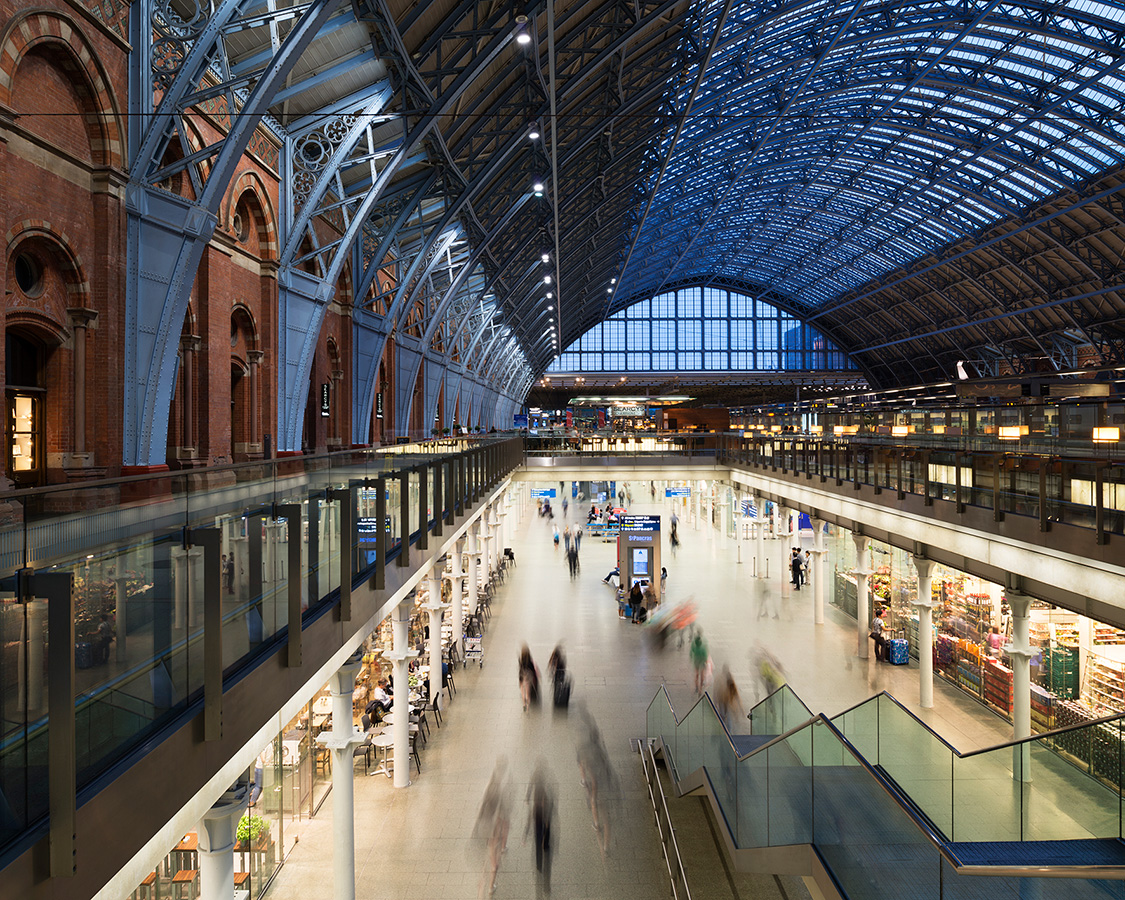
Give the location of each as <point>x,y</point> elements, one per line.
<point>519,421</point>
<point>677,492</point>
<point>542,492</point>
<point>638,523</point>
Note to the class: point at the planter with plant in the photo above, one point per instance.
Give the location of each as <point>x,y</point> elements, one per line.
<point>253,832</point>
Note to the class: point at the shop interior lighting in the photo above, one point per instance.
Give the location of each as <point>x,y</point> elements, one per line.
<point>900,430</point>
<point>1009,432</point>
<point>1107,435</point>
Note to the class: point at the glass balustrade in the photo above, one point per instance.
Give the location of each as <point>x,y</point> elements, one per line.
<point>892,809</point>
<point>130,559</point>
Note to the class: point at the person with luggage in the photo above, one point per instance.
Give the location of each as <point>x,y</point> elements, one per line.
<point>560,680</point>
<point>877,636</point>
<point>636,599</point>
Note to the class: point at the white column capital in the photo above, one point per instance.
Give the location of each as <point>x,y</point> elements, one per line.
<point>1019,602</point>
<point>217,833</point>
<point>343,681</point>
<point>924,566</point>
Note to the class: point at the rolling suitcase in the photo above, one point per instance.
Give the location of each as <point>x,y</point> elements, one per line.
<point>83,655</point>
<point>898,649</point>
<point>562,693</point>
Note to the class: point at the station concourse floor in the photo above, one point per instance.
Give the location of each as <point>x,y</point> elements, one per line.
<point>416,843</point>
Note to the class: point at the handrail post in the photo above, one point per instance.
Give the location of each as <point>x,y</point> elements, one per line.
<point>1044,465</point>
<point>379,582</point>
<point>423,506</point>
<point>404,518</point>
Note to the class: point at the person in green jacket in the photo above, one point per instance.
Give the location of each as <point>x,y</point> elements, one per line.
<point>699,657</point>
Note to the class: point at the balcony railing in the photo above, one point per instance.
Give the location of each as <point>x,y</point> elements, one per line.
<point>125,605</point>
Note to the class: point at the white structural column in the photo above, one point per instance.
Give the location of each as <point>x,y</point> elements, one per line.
<point>457,593</point>
<point>862,608</point>
<point>776,520</point>
<point>342,741</point>
<point>724,515</point>
<point>400,730</point>
<point>216,844</point>
<point>696,501</point>
<point>760,534</point>
<point>737,519</point>
<point>819,551</point>
<point>433,647</point>
<point>473,549</point>
<point>925,604</point>
<point>1019,650</point>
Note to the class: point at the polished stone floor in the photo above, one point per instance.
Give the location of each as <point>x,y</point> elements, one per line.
<point>419,842</point>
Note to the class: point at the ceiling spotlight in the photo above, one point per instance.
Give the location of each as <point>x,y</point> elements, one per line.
<point>533,134</point>
<point>613,281</point>
<point>546,257</point>
<point>546,279</point>
<point>550,294</point>
<point>551,307</point>
<point>537,188</point>
<point>609,290</point>
<point>523,38</point>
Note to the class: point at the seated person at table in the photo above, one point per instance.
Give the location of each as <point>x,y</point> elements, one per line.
<point>616,571</point>
<point>381,699</point>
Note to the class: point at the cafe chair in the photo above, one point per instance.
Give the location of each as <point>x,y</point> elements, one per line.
<point>363,750</point>
<point>433,707</point>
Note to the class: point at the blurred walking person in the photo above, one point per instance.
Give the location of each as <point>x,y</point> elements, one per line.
<point>540,816</point>
<point>493,822</point>
<point>598,779</point>
<point>700,659</point>
<point>529,678</point>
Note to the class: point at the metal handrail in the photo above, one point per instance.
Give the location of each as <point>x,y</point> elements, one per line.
<point>667,835</point>
<point>903,801</point>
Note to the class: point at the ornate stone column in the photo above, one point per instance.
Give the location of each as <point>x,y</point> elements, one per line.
<point>819,552</point>
<point>189,346</point>
<point>925,604</point>
<point>400,730</point>
<point>862,607</point>
<point>472,548</point>
<point>342,741</point>
<point>80,320</point>
<point>216,844</point>
<point>1019,651</point>
<point>254,360</point>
